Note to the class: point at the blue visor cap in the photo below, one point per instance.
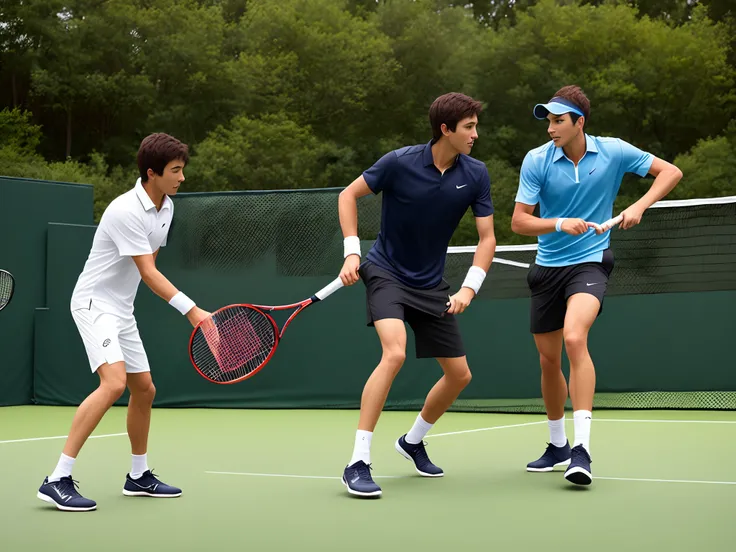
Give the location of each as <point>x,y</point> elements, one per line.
<point>556,106</point>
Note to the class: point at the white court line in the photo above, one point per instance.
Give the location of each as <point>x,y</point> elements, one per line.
<point>624,420</point>
<point>666,480</point>
<point>484,429</point>
<point>59,437</point>
<point>595,420</point>
<point>297,476</point>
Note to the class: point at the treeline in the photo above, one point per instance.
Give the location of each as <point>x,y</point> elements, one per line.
<point>276,94</point>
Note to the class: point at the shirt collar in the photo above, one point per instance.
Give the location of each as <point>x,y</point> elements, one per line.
<point>429,160</point>
<point>146,201</point>
<point>589,147</point>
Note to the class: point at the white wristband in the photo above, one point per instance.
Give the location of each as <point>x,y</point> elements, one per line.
<point>558,224</point>
<point>182,303</point>
<point>351,246</point>
<point>474,278</point>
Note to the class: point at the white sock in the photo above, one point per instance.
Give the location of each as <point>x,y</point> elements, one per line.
<point>418,431</point>
<point>557,432</point>
<point>63,468</point>
<point>582,419</point>
<point>362,449</point>
<point>140,465</point>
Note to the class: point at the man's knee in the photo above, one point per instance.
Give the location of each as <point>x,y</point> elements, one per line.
<point>394,356</point>
<point>576,342</point>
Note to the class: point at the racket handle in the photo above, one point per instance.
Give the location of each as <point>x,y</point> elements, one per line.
<point>611,223</point>
<point>329,289</point>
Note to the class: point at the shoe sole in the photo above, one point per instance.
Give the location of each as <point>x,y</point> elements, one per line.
<point>579,476</point>
<point>50,500</point>
<point>152,495</point>
<point>359,493</point>
<point>406,455</point>
<point>549,469</point>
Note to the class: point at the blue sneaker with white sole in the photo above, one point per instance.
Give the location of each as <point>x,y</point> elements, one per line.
<point>357,479</point>
<point>579,472</point>
<point>418,454</point>
<point>149,485</point>
<point>552,457</point>
<point>64,495</point>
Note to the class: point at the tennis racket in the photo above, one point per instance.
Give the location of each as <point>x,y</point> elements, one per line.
<point>7,285</point>
<point>235,342</point>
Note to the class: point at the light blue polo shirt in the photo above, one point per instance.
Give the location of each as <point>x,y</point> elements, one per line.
<point>587,191</point>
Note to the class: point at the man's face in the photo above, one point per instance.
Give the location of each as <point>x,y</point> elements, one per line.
<point>466,133</point>
<point>169,182</point>
<point>562,130</point>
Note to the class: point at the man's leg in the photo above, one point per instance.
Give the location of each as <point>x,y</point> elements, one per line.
<point>92,409</point>
<point>140,481</point>
<point>456,378</point>
<point>411,446</point>
<point>392,334</point>
<point>58,488</point>
<point>142,393</point>
<point>582,310</point>
<point>554,393</point>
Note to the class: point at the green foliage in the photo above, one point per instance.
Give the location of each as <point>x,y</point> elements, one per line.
<point>309,93</point>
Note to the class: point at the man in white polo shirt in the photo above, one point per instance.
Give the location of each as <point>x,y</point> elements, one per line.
<point>132,229</point>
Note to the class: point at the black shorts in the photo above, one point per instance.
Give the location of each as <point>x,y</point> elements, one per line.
<point>436,333</point>
<point>551,287</point>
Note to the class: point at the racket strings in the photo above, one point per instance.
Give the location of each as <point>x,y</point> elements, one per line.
<point>6,288</point>
<point>233,343</point>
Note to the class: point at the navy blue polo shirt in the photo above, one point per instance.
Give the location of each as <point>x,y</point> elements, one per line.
<point>421,209</point>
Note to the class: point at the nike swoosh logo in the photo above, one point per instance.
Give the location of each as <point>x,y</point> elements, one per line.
<point>594,284</point>
<point>458,187</point>
<point>355,479</point>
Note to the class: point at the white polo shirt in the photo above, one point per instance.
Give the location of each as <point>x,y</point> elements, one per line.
<point>130,226</point>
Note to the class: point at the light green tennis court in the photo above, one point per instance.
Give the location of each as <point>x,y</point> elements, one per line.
<point>269,480</point>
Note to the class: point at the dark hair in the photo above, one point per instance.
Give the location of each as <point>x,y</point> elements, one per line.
<point>157,151</point>
<point>577,97</point>
<point>450,109</point>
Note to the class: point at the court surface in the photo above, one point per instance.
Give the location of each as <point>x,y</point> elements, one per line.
<point>270,480</point>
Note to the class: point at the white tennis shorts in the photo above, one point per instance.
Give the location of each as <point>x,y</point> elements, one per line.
<point>109,338</point>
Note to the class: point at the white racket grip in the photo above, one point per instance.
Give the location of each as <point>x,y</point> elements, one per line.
<point>329,289</point>
<point>611,223</point>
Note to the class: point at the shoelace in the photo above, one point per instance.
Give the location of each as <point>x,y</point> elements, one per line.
<point>421,453</point>
<point>67,485</point>
<point>364,471</point>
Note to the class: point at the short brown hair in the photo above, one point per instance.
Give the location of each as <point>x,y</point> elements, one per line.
<point>450,109</point>
<point>574,94</point>
<point>158,150</point>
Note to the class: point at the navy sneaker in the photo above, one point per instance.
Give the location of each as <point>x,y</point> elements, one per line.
<point>357,478</point>
<point>552,457</point>
<point>63,494</point>
<point>418,454</point>
<point>149,485</point>
<point>579,470</point>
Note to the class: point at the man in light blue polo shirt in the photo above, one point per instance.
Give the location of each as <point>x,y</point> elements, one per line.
<point>574,178</point>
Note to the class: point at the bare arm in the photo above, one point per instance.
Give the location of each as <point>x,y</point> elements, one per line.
<point>524,222</point>
<point>666,176</point>
<point>487,243</point>
<point>161,286</point>
<point>347,207</point>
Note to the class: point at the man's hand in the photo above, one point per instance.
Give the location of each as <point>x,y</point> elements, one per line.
<point>460,301</point>
<point>575,226</point>
<point>196,315</point>
<point>632,217</point>
<point>349,273</point>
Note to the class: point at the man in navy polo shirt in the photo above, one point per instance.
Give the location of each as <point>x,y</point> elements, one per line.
<point>426,190</point>
<point>574,178</point>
